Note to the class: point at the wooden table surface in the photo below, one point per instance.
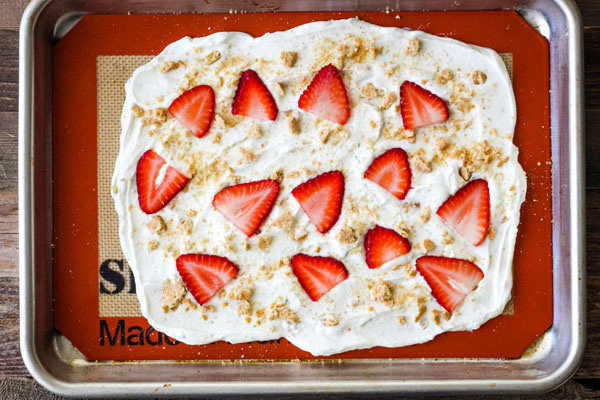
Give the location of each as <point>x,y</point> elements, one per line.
<point>15,382</point>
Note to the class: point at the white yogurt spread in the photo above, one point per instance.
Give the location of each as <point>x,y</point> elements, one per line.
<point>479,133</point>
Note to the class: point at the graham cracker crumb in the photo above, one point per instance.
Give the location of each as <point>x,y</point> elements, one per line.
<point>444,76</point>
<point>278,89</point>
<point>479,77</point>
<point>187,303</point>
<point>293,125</point>
<point>156,224</point>
<point>436,314</point>
<point>244,307</point>
<point>383,291</point>
<point>169,66</point>
<point>160,114</point>
<point>369,91</point>
<point>464,173</point>
<point>137,110</point>
<point>403,231</point>
<point>412,49</point>
<point>446,238</point>
<point>264,242</point>
<point>254,131</point>
<point>284,221</point>
<point>273,314</point>
<point>402,319</point>
<point>241,293</point>
<point>247,155</point>
<point>426,215</point>
<point>288,315</point>
<point>152,245</point>
<point>173,294</point>
<point>300,235</point>
<point>288,58</point>
<point>219,122</point>
<point>165,308</point>
<point>428,245</point>
<point>209,308</point>
<point>186,226</point>
<point>330,320</point>
<point>442,144</point>
<point>191,213</point>
<point>115,189</point>
<point>324,135</point>
<point>422,308</point>
<point>388,99</point>
<point>277,175</point>
<point>212,57</point>
<point>347,235</point>
<point>492,233</point>
<point>421,165</point>
<point>446,315</point>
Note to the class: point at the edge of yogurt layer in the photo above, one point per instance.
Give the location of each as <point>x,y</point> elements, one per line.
<point>482,120</point>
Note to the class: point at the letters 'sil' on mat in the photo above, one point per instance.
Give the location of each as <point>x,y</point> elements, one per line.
<point>95,302</point>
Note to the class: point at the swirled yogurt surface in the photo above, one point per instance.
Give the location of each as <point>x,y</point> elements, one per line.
<point>475,142</point>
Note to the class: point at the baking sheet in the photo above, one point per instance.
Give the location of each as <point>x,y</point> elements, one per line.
<point>77,144</point>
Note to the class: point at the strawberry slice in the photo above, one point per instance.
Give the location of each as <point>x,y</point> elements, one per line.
<point>318,275</point>
<point>419,107</point>
<point>248,204</point>
<point>382,245</point>
<point>326,96</point>
<point>468,211</point>
<point>253,99</point>
<point>392,172</point>
<point>153,197</point>
<point>195,109</point>
<point>321,199</point>
<point>204,275</point>
<point>450,279</point>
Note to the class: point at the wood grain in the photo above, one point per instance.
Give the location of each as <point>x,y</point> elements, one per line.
<point>15,382</point>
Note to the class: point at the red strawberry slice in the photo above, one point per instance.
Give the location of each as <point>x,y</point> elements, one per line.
<point>419,107</point>
<point>468,211</point>
<point>195,109</point>
<point>253,99</point>
<point>382,245</point>
<point>321,199</point>
<point>153,197</point>
<point>392,172</point>
<point>326,96</point>
<point>450,279</point>
<point>248,204</point>
<point>204,275</point>
<point>318,275</point>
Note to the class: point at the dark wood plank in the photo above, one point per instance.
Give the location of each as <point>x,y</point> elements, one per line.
<point>8,150</point>
<point>9,69</point>
<point>9,234</point>
<point>11,363</point>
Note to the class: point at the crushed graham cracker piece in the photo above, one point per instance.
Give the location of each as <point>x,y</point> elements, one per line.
<point>278,88</point>
<point>479,77</point>
<point>428,245</point>
<point>186,226</point>
<point>160,114</point>
<point>247,155</point>
<point>277,175</point>
<point>447,238</point>
<point>412,49</point>
<point>288,58</point>
<point>264,242</point>
<point>273,314</point>
<point>300,235</point>
<point>212,57</point>
<point>219,122</point>
<point>241,293</point>
<point>330,320</point>
<point>209,308</point>
<point>288,315</point>
<point>137,110</point>
<point>284,221</point>
<point>436,314</point>
<point>191,212</point>
<point>347,235</point>
<point>464,173</point>
<point>254,131</point>
<point>156,224</point>
<point>492,233</point>
<point>165,308</point>
<point>421,307</point>
<point>244,307</point>
<point>388,99</point>
<point>324,135</point>
<point>293,125</point>
<point>169,66</point>
<point>403,230</point>
<point>189,304</point>
<point>369,91</point>
<point>217,138</point>
<point>152,245</point>
<point>115,189</point>
<point>421,165</point>
<point>383,291</point>
<point>173,294</point>
<point>426,215</point>
<point>444,76</point>
<point>442,144</point>
<point>402,319</point>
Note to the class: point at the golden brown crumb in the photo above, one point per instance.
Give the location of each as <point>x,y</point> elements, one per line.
<point>137,110</point>
<point>247,155</point>
<point>165,308</point>
<point>169,66</point>
<point>209,308</point>
<point>464,173</point>
<point>244,307</point>
<point>402,319</point>
<point>446,238</point>
<point>300,235</point>
<point>288,58</point>
<point>278,89</point>
<point>479,77</point>
<point>219,122</point>
<point>186,226</point>
<point>173,294</point>
<point>324,135</point>
<point>284,221</point>
<point>213,57</point>
<point>426,214</point>
<point>152,245</point>
<point>288,315</point>
<point>388,99</point>
<point>160,114</point>
<point>191,213</point>
<point>242,293</point>
<point>347,235</point>
<point>492,233</point>
<point>421,165</point>
<point>444,76</point>
<point>330,320</point>
<point>277,175</point>
<point>442,144</point>
<point>403,230</point>
<point>338,62</point>
<point>156,224</point>
<point>436,316</point>
<point>428,245</point>
<point>369,91</point>
<point>264,242</point>
<point>383,291</point>
<point>412,49</point>
<point>187,303</point>
<point>273,314</point>
<point>254,131</point>
<point>293,125</point>
<point>422,308</point>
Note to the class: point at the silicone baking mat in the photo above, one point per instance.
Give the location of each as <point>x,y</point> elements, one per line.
<point>95,302</point>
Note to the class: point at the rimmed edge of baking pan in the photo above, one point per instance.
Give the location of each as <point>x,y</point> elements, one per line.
<point>44,353</point>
